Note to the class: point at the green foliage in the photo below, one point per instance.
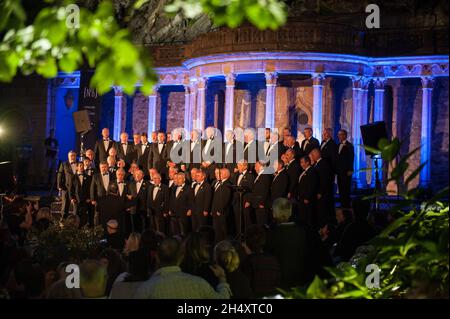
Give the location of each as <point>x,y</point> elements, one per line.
<point>63,242</point>
<point>263,14</point>
<point>51,44</point>
<point>412,252</point>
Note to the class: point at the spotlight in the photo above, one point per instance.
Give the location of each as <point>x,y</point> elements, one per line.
<point>1,131</point>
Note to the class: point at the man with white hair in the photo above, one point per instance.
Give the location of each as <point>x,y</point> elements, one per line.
<point>210,147</point>
<point>181,204</point>
<point>126,150</point>
<point>66,173</point>
<point>138,191</point>
<point>158,200</point>
<point>259,198</point>
<point>329,148</point>
<point>221,204</point>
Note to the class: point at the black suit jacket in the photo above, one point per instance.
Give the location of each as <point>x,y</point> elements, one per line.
<point>80,192</point>
<point>195,155</point>
<point>251,152</point>
<point>307,148</point>
<point>142,157</point>
<point>345,158</point>
<point>229,159</point>
<point>246,182</point>
<point>97,189</point>
<point>64,178</point>
<point>325,179</point>
<point>279,186</point>
<point>156,159</point>
<point>307,185</point>
<point>176,150</point>
<point>296,149</point>
<point>101,154</point>
<point>260,194</point>
<point>329,152</point>
<point>159,205</point>
<point>131,154</point>
<point>222,199</point>
<point>293,171</point>
<point>184,202</point>
<point>114,190</point>
<point>139,199</point>
<point>202,201</point>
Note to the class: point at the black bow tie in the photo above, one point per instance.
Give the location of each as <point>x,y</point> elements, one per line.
<point>120,182</point>
<point>106,140</point>
<point>124,143</point>
<point>80,174</point>
<point>157,186</point>
<point>105,174</point>
<point>72,163</point>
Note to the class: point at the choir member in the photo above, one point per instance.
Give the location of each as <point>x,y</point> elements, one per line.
<point>102,146</point>
<point>66,172</point>
<point>202,200</point>
<point>344,168</point>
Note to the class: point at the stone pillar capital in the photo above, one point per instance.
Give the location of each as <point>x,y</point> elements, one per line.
<point>271,78</point>
<point>317,78</point>
<point>379,83</point>
<point>230,79</point>
<point>201,82</point>
<point>154,90</point>
<point>427,82</point>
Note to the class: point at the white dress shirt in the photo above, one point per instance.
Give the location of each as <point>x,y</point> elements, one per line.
<point>138,186</point>
<point>105,179</point>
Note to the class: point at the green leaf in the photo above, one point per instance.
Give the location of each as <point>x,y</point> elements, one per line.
<point>316,288</point>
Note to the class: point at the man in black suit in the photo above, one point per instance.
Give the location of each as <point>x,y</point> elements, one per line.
<point>158,201</point>
<point>230,149</point>
<point>211,149</point>
<point>103,146</point>
<point>120,191</point>
<point>325,200</point>
<point>176,152</point>
<point>307,193</point>
<point>280,182</point>
<point>125,149</point>
<point>293,171</point>
<point>181,204</point>
<point>66,172</point>
<point>157,156</point>
<point>309,143</point>
<point>136,147</point>
<point>329,149</point>
<point>195,150</point>
<point>250,149</point>
<point>220,207</point>
<point>99,190</point>
<point>272,149</point>
<point>80,194</point>
<point>143,150</point>
<point>292,144</point>
<point>138,191</point>
<point>259,198</point>
<point>344,168</point>
<point>202,201</point>
<point>244,179</point>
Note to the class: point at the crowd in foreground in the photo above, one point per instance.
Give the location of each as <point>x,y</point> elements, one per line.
<point>151,265</point>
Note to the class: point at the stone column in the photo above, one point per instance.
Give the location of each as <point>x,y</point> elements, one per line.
<point>187,109</point>
<point>271,85</point>
<point>229,101</point>
<point>391,187</point>
<point>201,102</point>
<point>359,106</point>
<point>378,113</point>
<point>118,100</point>
<point>151,125</point>
<point>425,151</point>
<point>317,104</point>
<point>193,103</point>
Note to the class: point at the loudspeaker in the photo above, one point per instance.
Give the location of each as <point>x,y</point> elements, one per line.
<point>7,176</point>
<point>82,121</point>
<point>372,133</point>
